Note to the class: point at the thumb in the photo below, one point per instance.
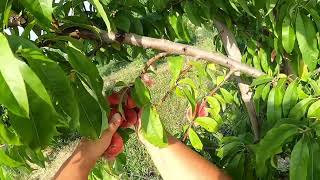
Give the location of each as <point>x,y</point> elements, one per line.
<point>114,124</point>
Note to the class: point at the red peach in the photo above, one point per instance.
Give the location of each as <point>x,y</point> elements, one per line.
<point>116,146</point>
<point>114,99</point>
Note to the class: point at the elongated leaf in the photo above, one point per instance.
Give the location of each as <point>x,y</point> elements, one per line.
<point>274,106</point>
<point>263,59</point>
<point>41,9</point>
<point>228,149</point>
<point>152,128</point>
<point>245,7</point>
<point>175,65</point>
<point>299,160</point>
<point>208,123</point>
<point>261,80</point>
<point>56,82</point>
<point>314,167</point>
<point>271,143</point>
<point>290,98</point>
<point>33,81</point>
<point>306,36</point>
<point>89,71</point>
<point>8,161</point>
<point>222,101</point>
<point>314,110</point>
<point>191,10</point>
<point>270,4</point>
<point>91,115</point>
<point>103,14</point>
<point>226,95</point>
<point>300,109</point>
<point>122,21</point>
<point>140,93</point>
<point>288,35</point>
<point>11,81</point>
<point>214,104</point>
<point>38,131</point>
<point>265,91</point>
<point>195,140</point>
<point>8,135</point>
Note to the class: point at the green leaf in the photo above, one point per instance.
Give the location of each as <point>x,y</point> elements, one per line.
<point>190,8</point>
<point>314,110</point>
<point>270,4</point>
<point>299,160</point>
<point>87,70</point>
<point>159,4</point>
<point>175,65</point>
<point>245,7</point>
<point>103,14</point>
<point>41,9</point>
<point>307,40</point>
<point>38,131</point>
<point>263,59</point>
<point>226,95</point>
<point>195,140</point>
<point>152,128</point>
<point>300,109</point>
<point>261,80</point>
<point>265,91</point>
<point>33,81</point>
<point>314,168</point>
<point>274,108</point>
<point>56,82</point>
<point>288,35</point>
<point>136,26</point>
<point>271,143</point>
<point>214,105</point>
<point>17,42</point>
<point>140,93</point>
<point>11,81</point>
<point>91,115</point>
<point>228,149</point>
<point>315,86</point>
<point>5,8</point>
<point>290,98</point>
<point>222,101</point>
<point>122,21</point>
<point>8,135</point>
<point>8,161</point>
<point>256,62</point>
<point>208,123</point>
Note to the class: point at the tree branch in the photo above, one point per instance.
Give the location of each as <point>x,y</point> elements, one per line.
<point>181,75</point>
<point>179,49</point>
<point>230,46</point>
<point>153,60</point>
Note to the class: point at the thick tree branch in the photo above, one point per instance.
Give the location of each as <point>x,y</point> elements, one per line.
<point>179,49</point>
<point>230,46</point>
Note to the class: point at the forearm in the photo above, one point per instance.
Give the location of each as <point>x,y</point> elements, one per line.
<point>177,161</point>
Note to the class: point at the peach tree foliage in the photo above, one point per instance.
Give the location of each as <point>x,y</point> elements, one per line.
<point>51,83</point>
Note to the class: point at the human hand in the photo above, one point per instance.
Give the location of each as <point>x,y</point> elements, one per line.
<point>94,149</point>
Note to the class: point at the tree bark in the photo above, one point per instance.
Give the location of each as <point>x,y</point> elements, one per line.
<point>178,49</point>
<point>230,46</point>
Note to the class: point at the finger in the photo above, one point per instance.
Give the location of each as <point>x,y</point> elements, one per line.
<point>114,124</point>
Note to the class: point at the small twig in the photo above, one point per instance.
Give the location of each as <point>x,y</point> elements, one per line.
<point>181,75</point>
<point>186,134</point>
<point>211,93</point>
<point>153,60</point>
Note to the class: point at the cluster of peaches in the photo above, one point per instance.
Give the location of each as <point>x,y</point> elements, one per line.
<point>128,120</point>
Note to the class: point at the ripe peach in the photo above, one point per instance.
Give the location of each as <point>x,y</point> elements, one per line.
<point>202,109</point>
<point>130,103</point>
<point>116,146</point>
<point>131,118</point>
<point>114,99</point>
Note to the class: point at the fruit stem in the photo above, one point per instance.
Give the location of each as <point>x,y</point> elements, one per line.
<point>153,60</point>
